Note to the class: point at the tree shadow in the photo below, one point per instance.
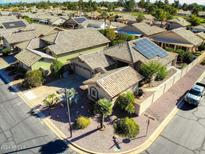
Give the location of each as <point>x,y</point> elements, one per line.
<point>53,147</point>
<point>84,135</point>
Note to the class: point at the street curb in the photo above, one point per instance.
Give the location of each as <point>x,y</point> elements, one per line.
<point>79,149</point>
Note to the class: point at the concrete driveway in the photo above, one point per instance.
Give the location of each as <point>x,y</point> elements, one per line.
<point>37,95</point>
<point>185,134</point>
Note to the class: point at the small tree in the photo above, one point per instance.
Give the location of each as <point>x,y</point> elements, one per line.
<point>82,122</point>
<point>126,127</point>
<point>6,51</point>
<point>104,108</point>
<point>194,20</point>
<point>126,102</point>
<point>56,68</point>
<point>110,34</point>
<point>33,79</point>
<point>149,70</point>
<point>140,17</point>
<point>162,73</point>
<point>51,100</point>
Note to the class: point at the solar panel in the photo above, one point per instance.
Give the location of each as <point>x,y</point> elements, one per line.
<point>14,24</point>
<point>149,49</point>
<point>80,19</point>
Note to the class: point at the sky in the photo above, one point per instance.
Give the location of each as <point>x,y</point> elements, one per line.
<point>181,1</point>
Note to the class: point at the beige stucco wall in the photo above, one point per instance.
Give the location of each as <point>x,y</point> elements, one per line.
<point>164,87</point>
<point>64,58</point>
<point>44,64</point>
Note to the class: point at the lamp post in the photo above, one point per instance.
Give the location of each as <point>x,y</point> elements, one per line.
<point>69,94</point>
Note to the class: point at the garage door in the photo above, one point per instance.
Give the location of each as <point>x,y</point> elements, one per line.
<point>84,72</point>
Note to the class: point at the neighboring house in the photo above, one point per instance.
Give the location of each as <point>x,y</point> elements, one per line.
<point>69,44</point>
<point>199,28</point>
<point>88,65</point>
<point>202,36</point>
<point>14,24</point>
<point>141,29</point>
<point>179,38</point>
<point>136,52</point>
<point>112,83</point>
<point>75,22</point>
<point>177,23</point>
<point>24,35</point>
<point>201,13</point>
<point>183,13</point>
<point>33,60</point>
<point>59,21</point>
<point>148,18</point>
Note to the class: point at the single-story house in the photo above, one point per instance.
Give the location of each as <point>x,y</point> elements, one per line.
<point>66,45</point>
<point>183,13</point>
<point>141,29</point>
<point>177,23</point>
<point>201,13</point>
<point>24,35</point>
<point>179,38</point>
<point>74,22</point>
<point>88,65</point>
<point>112,83</point>
<point>33,60</point>
<point>201,35</point>
<point>199,28</point>
<point>136,52</point>
<point>14,24</point>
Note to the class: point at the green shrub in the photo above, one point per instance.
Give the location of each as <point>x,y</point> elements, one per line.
<point>82,122</point>
<point>6,51</point>
<point>126,127</point>
<point>33,79</point>
<point>126,102</point>
<point>185,56</point>
<point>115,42</point>
<point>56,68</point>
<point>162,73</point>
<point>203,62</point>
<point>202,47</point>
<point>169,49</point>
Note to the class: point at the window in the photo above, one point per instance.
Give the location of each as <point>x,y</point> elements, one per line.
<point>94,93</point>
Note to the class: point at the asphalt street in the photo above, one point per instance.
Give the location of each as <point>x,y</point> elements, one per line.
<point>185,134</point>
<point>20,132</point>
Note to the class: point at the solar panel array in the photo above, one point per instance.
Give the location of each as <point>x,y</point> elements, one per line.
<point>149,49</point>
<point>80,19</point>
<point>14,24</point>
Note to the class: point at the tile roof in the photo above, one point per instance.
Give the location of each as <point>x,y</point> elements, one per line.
<point>201,35</point>
<point>73,40</point>
<point>96,60</point>
<point>28,33</point>
<point>188,35</point>
<point>181,21</point>
<point>127,53</point>
<point>28,58</point>
<point>14,24</point>
<point>147,29</point>
<point>116,81</point>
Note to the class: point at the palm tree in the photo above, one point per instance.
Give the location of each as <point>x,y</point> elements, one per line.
<point>104,15</point>
<point>104,108</point>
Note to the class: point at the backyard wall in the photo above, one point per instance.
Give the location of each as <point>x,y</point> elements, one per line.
<point>164,87</point>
